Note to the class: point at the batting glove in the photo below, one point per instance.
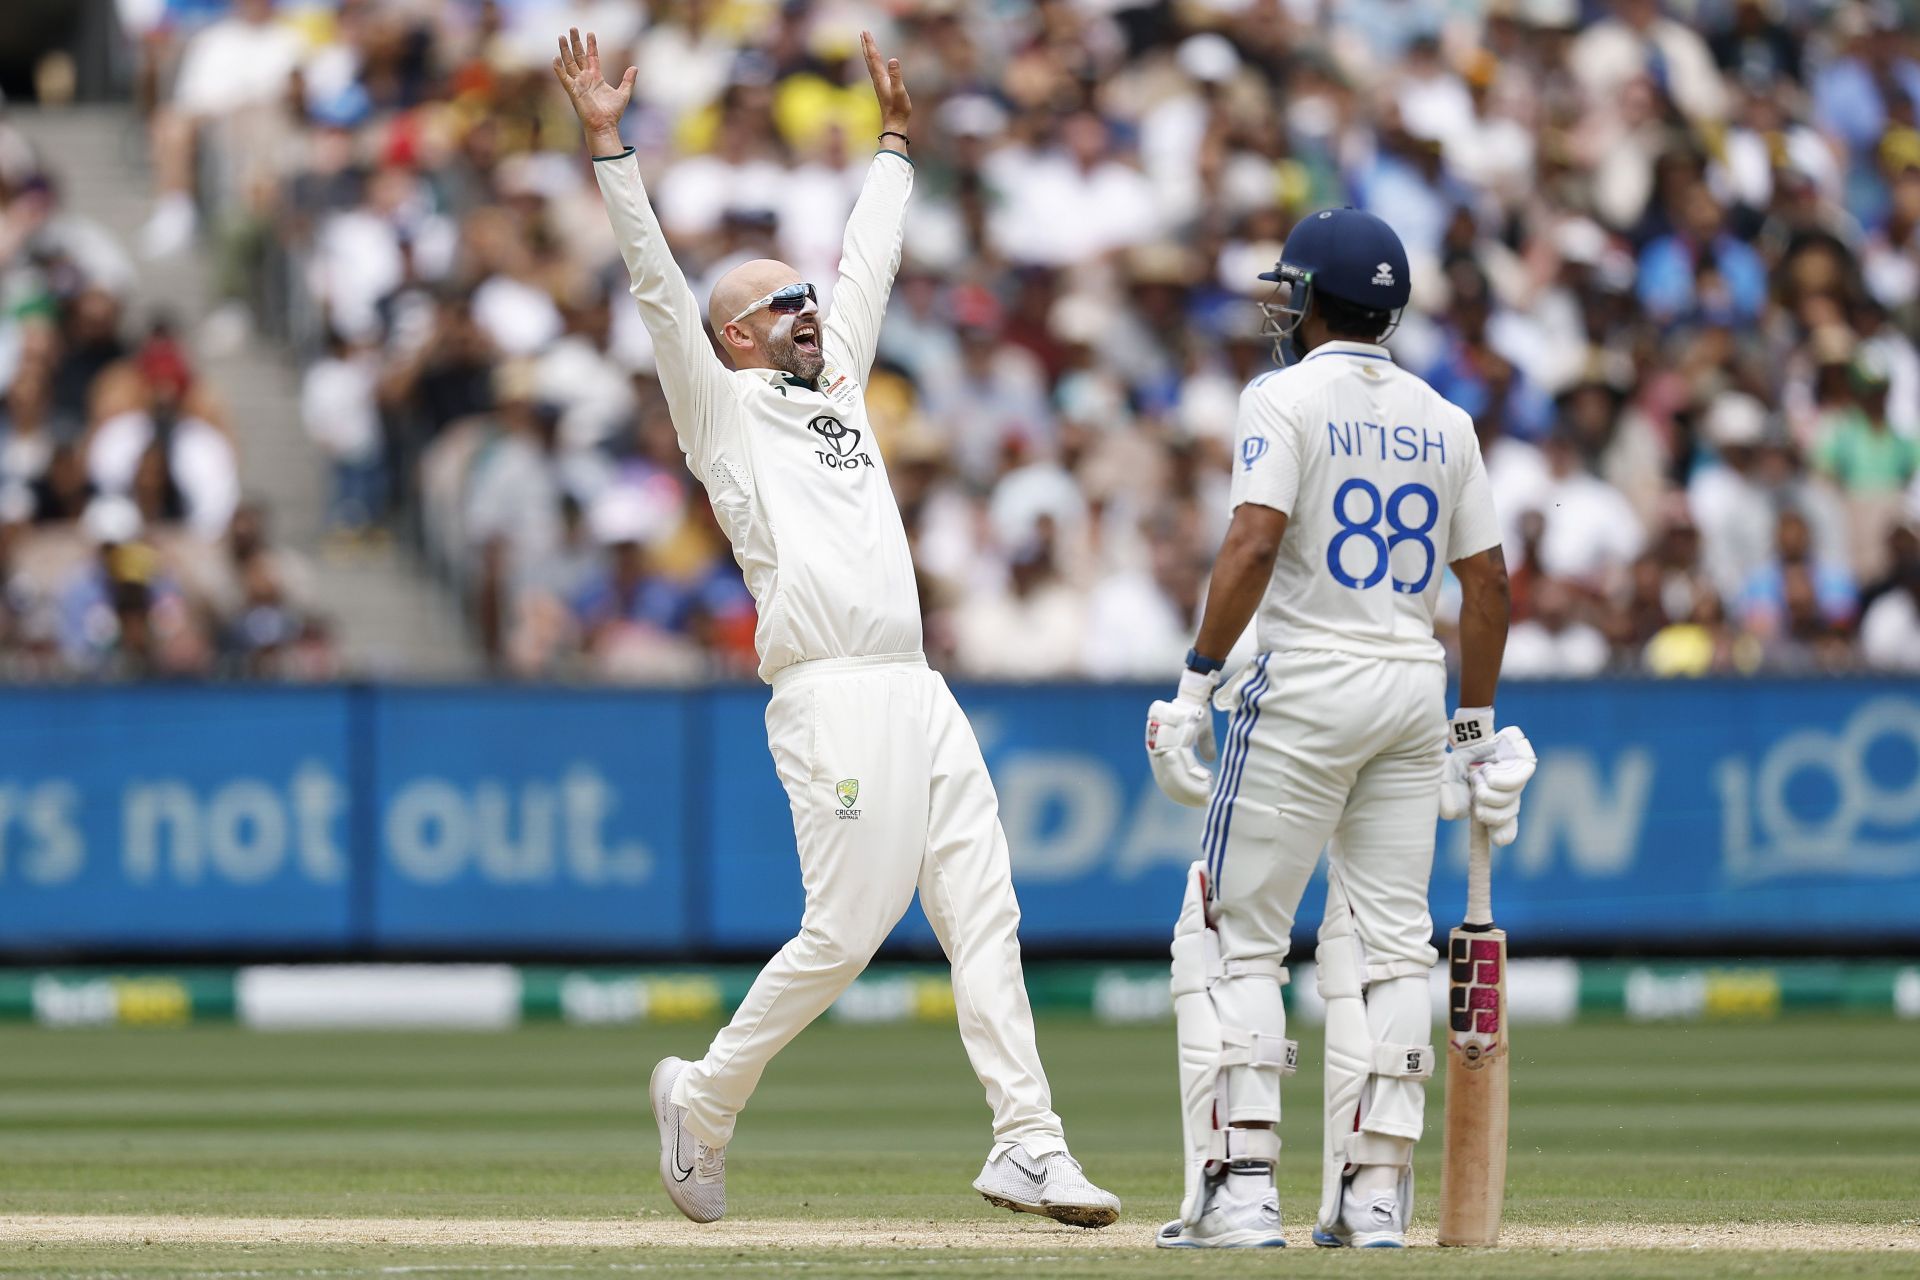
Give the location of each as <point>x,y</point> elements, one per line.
<point>1497,783</point>
<point>1180,743</point>
<point>1485,772</point>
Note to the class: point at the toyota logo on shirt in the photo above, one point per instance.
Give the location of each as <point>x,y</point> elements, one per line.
<point>841,441</point>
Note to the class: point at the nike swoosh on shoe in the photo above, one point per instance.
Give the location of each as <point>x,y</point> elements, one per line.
<point>679,1174</point>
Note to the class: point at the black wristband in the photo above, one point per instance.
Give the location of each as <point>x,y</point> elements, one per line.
<point>1205,666</point>
<point>895,133</point>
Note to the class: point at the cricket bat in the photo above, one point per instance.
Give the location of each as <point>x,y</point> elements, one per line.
<point>1473,1177</point>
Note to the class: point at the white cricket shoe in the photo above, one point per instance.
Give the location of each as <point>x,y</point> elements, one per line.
<point>694,1173</point>
<point>1051,1185</point>
<point>1228,1224</point>
<point>1375,1224</point>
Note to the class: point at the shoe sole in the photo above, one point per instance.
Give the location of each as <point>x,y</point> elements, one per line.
<point>658,1092</point>
<point>1089,1216</point>
<point>1329,1241</point>
<point>1231,1242</point>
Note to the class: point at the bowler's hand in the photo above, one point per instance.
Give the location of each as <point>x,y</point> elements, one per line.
<point>598,104</point>
<point>889,86</point>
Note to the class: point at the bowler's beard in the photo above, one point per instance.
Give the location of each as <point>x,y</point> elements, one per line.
<point>789,357</point>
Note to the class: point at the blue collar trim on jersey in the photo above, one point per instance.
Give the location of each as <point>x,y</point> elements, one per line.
<point>1365,350</point>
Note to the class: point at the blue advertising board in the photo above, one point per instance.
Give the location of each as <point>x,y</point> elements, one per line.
<point>1736,814</point>
<point>550,820</point>
<point>1742,811</point>
<point>159,817</point>
<point>1732,813</point>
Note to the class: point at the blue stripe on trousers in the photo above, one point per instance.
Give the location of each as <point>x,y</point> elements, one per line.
<point>1224,791</point>
<point>1236,766</point>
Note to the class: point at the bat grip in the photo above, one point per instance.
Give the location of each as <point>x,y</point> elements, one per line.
<point>1479,876</point>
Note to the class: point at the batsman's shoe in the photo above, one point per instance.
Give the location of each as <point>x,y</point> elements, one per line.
<point>1051,1185</point>
<point>694,1173</point>
<point>1376,1224</point>
<point>1228,1224</point>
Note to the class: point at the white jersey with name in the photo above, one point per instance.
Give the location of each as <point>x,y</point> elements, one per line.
<point>792,468</point>
<point>1383,487</point>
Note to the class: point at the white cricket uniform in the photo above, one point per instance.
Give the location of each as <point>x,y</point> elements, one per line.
<point>887,785</point>
<point>1340,721</point>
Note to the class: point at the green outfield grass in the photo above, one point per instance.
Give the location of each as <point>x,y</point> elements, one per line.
<point>1803,1121</point>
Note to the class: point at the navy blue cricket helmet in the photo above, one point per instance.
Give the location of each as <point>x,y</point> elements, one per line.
<point>1347,254</point>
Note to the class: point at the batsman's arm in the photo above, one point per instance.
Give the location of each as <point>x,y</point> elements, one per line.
<point>1240,577</point>
<point>1484,608</point>
<point>695,382</point>
<point>870,252</point>
<point>1474,530</point>
<point>1266,481</point>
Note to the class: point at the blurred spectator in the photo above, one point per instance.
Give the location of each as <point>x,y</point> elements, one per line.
<point>1034,628</point>
<point>1890,633</point>
<point>1732,509</point>
<point>177,465</point>
<point>239,63</point>
<point>1553,642</point>
<point>1591,533</point>
<point>339,409</point>
<point>1872,463</point>
<point>1764,605</point>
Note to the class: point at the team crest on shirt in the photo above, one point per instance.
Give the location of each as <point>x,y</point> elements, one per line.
<point>847,791</point>
<point>837,386</point>
<point>1252,449</point>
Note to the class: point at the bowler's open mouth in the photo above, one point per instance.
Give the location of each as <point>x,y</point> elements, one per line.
<point>806,335</point>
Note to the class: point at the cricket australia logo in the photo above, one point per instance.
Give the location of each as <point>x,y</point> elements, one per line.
<point>847,792</point>
<point>1383,274</point>
<point>841,441</point>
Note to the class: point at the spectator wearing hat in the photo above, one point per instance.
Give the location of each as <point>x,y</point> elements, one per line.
<point>1731,508</point>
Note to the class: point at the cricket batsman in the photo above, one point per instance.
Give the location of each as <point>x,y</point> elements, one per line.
<point>887,785</point>
<point>1353,484</point>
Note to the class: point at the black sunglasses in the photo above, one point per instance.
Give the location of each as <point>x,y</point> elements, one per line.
<point>786,299</point>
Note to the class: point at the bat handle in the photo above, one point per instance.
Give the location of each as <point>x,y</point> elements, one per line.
<point>1479,877</point>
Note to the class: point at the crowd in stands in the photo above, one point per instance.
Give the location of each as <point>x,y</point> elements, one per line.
<point>1667,255</point>
<point>126,547</point>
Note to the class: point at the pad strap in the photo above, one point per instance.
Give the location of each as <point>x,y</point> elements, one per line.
<point>1404,1061</point>
<point>1259,1049</point>
<point>1193,955</point>
<point>1379,1148</point>
<point>1254,969</point>
<point>1232,1146</point>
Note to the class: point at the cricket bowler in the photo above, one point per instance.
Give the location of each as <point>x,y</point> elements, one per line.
<point>1354,483</point>
<point>888,789</point>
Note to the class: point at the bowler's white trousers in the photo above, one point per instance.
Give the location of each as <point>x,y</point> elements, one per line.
<point>1331,746</point>
<point>889,795</point>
